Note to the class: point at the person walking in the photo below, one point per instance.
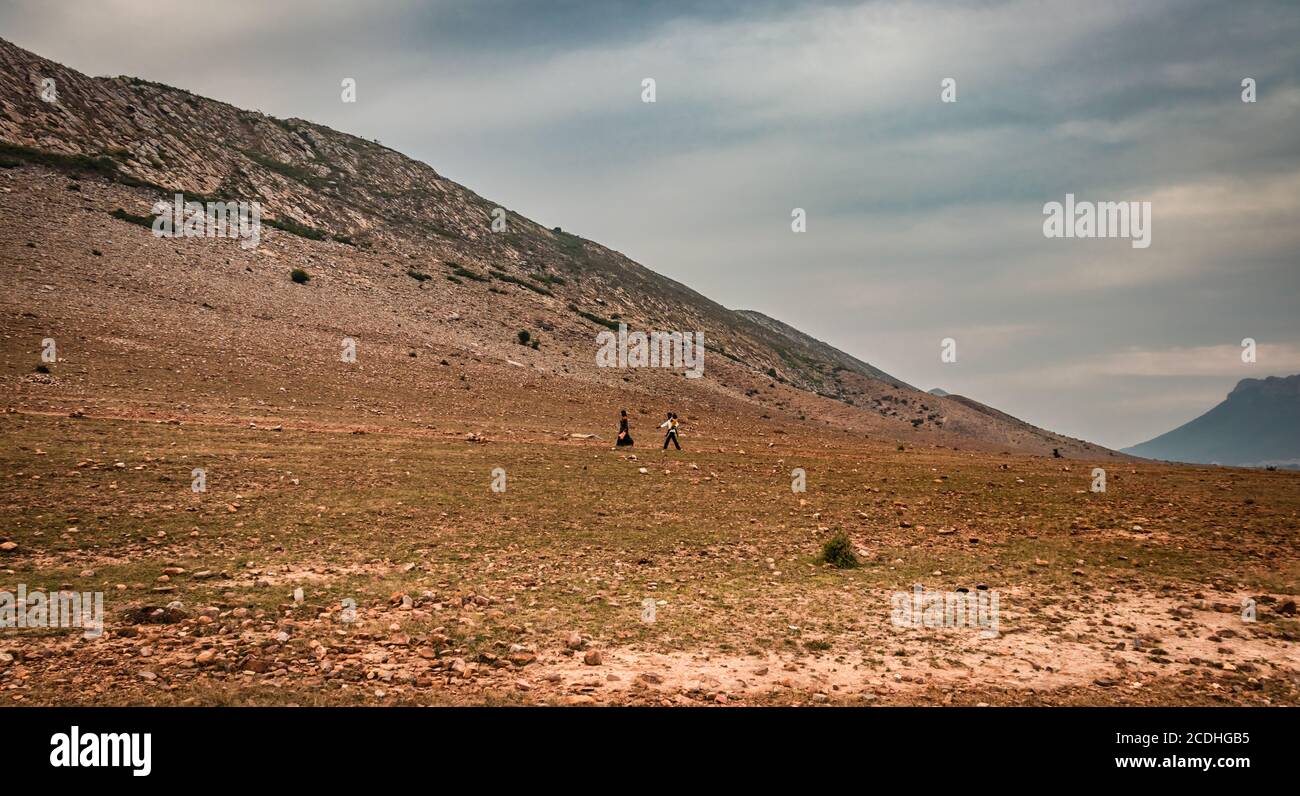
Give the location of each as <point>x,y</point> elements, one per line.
<point>624,436</point>
<point>671,436</point>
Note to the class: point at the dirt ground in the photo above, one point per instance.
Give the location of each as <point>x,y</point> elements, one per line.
<point>368,486</point>
<point>535,595</point>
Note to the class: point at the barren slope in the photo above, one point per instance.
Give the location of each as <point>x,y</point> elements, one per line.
<point>401,258</point>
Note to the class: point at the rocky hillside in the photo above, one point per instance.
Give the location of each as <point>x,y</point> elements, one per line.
<point>398,256</point>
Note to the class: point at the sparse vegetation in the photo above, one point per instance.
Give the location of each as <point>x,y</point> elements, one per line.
<point>462,271</point>
<point>594,318</point>
<point>838,552</point>
<point>504,277</point>
<point>466,595</point>
<point>99,165</point>
<point>571,246</point>
<point>303,175</point>
<point>295,228</point>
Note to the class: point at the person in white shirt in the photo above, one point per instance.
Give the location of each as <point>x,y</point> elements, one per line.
<point>671,436</point>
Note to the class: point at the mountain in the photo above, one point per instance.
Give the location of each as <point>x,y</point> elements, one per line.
<point>1257,424</point>
<point>399,258</point>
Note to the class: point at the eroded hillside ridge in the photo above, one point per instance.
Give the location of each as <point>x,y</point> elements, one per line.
<point>357,199</point>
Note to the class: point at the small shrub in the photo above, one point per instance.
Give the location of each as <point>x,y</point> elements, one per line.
<point>536,344</point>
<point>524,337</point>
<point>417,276</point>
<point>300,276</point>
<point>40,369</point>
<point>838,552</point>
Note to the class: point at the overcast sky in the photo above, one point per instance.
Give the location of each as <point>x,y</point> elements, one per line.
<point>925,218</point>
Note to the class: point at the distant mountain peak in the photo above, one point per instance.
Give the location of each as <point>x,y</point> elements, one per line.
<point>1258,423</point>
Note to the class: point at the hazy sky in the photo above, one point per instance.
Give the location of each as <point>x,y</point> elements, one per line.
<point>925,219</point>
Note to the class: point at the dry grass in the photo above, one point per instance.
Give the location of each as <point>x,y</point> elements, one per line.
<point>580,538</point>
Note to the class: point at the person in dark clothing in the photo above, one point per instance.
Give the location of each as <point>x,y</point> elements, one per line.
<point>624,436</point>
<point>671,436</point>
